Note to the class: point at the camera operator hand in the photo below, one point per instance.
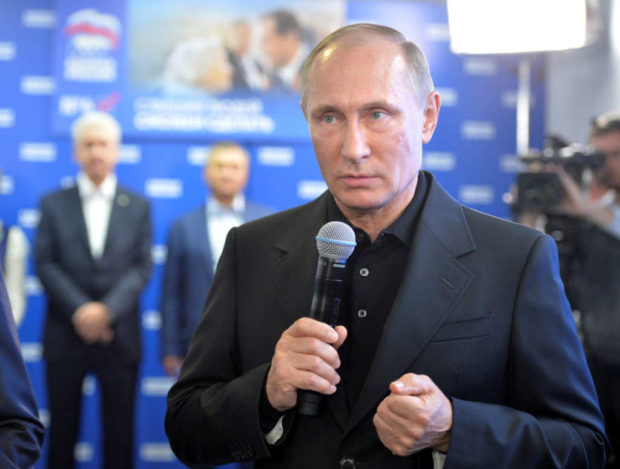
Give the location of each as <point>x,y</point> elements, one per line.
<point>579,203</point>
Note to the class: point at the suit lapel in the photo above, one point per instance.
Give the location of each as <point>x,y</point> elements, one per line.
<point>297,269</point>
<point>433,284</point>
<point>204,241</point>
<point>75,207</point>
<point>297,265</point>
<point>118,218</point>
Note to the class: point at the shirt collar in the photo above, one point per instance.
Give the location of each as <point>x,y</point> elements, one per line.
<point>87,189</point>
<point>237,207</point>
<point>403,227</point>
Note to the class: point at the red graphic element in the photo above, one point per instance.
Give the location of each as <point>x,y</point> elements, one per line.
<point>86,28</point>
<point>110,102</point>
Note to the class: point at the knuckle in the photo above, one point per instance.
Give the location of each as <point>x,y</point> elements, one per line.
<point>315,345</point>
<point>424,419</point>
<point>315,362</point>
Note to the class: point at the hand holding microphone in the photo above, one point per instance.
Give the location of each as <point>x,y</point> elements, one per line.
<point>306,356</point>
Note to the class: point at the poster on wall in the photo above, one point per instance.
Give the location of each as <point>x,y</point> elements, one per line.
<point>189,68</point>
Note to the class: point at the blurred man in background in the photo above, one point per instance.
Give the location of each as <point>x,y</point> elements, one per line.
<point>595,269</point>
<point>247,71</point>
<point>283,44</point>
<point>93,257</point>
<point>195,243</point>
<point>582,213</point>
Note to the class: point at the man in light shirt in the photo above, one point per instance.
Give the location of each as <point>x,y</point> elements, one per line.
<point>92,253</point>
<point>195,243</point>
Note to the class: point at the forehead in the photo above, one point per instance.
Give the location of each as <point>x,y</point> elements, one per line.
<point>96,132</point>
<point>229,154</point>
<point>608,139</point>
<point>369,71</point>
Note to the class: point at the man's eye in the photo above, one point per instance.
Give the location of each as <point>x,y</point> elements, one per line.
<point>329,119</point>
<point>376,115</point>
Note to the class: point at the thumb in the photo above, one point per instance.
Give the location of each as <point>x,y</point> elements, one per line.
<point>411,384</point>
<point>342,335</point>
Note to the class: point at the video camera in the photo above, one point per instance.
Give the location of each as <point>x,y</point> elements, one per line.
<point>538,187</point>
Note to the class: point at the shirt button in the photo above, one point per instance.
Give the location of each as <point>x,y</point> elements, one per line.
<point>362,313</point>
<point>347,463</point>
<point>364,272</point>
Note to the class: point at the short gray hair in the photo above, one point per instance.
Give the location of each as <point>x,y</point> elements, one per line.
<point>95,119</point>
<point>360,33</point>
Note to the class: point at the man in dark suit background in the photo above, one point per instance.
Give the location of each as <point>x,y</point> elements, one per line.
<point>195,243</point>
<point>92,253</point>
<point>284,46</point>
<point>21,432</point>
<point>457,347</point>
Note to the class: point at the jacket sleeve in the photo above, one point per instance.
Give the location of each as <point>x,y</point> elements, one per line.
<point>551,418</point>
<point>21,432</point>
<point>213,409</point>
<point>125,293</point>
<point>58,285</point>
<point>170,293</point>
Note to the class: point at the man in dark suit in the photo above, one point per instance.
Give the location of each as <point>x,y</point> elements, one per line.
<point>284,46</point>
<point>194,246</point>
<point>457,347</point>
<point>21,432</point>
<point>92,253</point>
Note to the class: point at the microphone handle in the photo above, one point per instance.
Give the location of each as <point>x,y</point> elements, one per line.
<point>325,308</point>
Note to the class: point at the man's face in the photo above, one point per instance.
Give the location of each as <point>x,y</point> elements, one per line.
<point>367,126</point>
<point>97,153</point>
<point>279,48</point>
<point>227,172</point>
<point>609,143</point>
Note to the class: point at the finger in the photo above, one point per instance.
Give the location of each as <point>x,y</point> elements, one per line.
<point>412,384</point>
<point>392,437</point>
<point>310,346</point>
<point>308,327</point>
<point>310,381</point>
<point>317,366</point>
<point>342,336</point>
<point>400,410</point>
<point>287,364</point>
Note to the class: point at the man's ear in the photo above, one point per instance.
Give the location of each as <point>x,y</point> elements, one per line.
<point>431,114</point>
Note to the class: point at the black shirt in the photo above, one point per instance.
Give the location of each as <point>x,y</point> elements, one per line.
<point>373,276</point>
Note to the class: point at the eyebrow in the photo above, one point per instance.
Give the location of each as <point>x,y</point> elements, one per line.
<point>326,108</point>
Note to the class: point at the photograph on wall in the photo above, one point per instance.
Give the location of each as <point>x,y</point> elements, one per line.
<point>190,67</point>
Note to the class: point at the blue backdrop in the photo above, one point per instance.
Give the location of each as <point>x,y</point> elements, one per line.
<point>472,152</point>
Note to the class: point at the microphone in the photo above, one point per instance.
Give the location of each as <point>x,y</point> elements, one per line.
<point>335,243</point>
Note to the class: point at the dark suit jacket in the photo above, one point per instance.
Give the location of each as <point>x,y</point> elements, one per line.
<point>71,277</point>
<point>188,275</point>
<point>481,310</point>
<point>21,432</point>
<point>596,282</point>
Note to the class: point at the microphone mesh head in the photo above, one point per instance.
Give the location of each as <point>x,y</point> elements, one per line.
<point>335,240</point>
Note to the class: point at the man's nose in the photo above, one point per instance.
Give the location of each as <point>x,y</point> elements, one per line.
<point>355,145</point>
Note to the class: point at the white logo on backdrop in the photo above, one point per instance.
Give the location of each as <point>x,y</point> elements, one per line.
<point>276,156</point>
